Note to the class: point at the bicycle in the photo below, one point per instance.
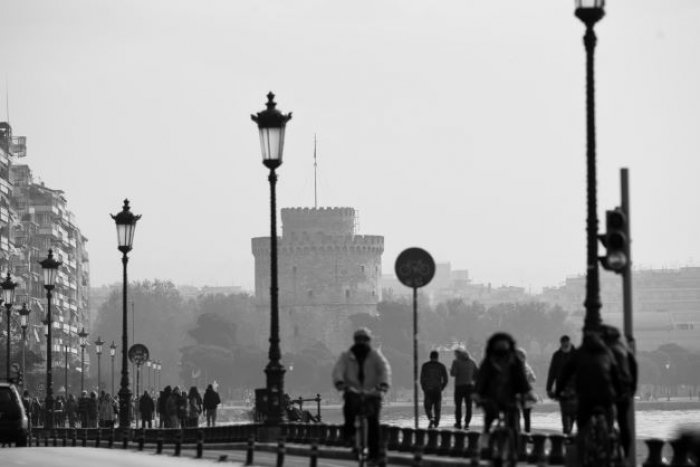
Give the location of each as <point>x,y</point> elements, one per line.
<point>599,442</point>
<point>503,443</point>
<point>361,442</point>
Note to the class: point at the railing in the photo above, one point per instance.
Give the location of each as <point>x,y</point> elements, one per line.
<point>538,449</point>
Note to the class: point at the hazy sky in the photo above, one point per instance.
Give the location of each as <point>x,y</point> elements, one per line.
<point>457,126</point>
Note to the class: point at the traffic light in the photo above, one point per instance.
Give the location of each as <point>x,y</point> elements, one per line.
<point>615,241</point>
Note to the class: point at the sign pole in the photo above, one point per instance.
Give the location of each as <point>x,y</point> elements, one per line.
<point>627,297</point>
<point>415,356</point>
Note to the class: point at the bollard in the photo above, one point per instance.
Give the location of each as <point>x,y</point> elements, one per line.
<point>556,450</point>
<point>313,455</point>
<point>200,443</point>
<point>125,438</point>
<point>84,437</point>
<point>74,438</point>
<point>654,453</point>
<point>110,441</point>
<point>54,438</point>
<point>406,440</point>
<point>523,440</point>
<point>142,439</point>
<point>458,448</point>
<point>333,435</point>
<point>280,452</point>
<point>538,455</point>
<point>417,458</point>
<point>178,443</point>
<point>393,438</point>
<point>473,445</point>
<point>250,451</point>
<point>64,438</point>
<point>432,445</point>
<point>98,438</point>
<point>46,438</point>
<point>445,442</point>
<point>159,442</point>
<point>382,461</point>
<point>680,453</point>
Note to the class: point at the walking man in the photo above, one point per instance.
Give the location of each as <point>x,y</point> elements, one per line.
<point>464,371</point>
<point>210,403</point>
<point>433,379</point>
<point>567,395</point>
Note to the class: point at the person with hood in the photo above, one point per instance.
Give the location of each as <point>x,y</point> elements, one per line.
<point>106,410</point>
<point>172,407</point>
<point>362,369</point>
<point>597,378</point>
<point>83,403</point>
<point>92,410</point>
<point>71,410</point>
<point>164,408</point>
<point>210,403</point>
<point>627,369</point>
<point>464,371</point>
<point>531,398</point>
<point>194,407</point>
<point>146,408</point>
<point>433,379</point>
<point>502,383</point>
<point>567,395</point>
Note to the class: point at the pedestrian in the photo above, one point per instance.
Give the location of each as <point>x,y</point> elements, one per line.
<point>597,379</point>
<point>194,407</point>
<point>464,370</point>
<point>27,403</point>
<point>59,414</point>
<point>37,411</point>
<point>92,410</point>
<point>362,369</point>
<point>71,410</point>
<point>532,397</point>
<point>627,367</point>
<point>146,408</point>
<point>171,408</point>
<point>83,403</point>
<point>433,379</point>
<point>502,383</point>
<point>210,403</point>
<point>567,395</point>
<point>106,410</point>
<point>165,401</point>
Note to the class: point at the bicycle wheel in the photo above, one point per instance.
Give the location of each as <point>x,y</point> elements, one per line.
<point>502,447</point>
<point>361,442</point>
<point>595,443</point>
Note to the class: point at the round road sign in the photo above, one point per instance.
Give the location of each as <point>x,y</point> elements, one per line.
<point>415,267</point>
<point>138,354</point>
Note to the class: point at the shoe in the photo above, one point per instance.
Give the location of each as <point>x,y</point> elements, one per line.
<point>457,425</point>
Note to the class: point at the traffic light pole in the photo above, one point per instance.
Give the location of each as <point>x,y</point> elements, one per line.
<point>627,295</point>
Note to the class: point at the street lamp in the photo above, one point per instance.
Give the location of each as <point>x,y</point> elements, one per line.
<point>98,350</point>
<point>271,125</point>
<point>50,269</point>
<point>668,384</point>
<point>24,323</point>
<point>126,224</point>
<point>590,12</point>
<point>160,367</point>
<point>82,336</point>
<point>148,373</point>
<point>112,353</point>
<point>65,349</point>
<point>8,297</point>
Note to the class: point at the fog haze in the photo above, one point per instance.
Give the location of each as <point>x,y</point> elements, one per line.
<point>455,126</point>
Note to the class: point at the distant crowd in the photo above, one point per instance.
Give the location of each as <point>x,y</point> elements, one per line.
<point>170,408</point>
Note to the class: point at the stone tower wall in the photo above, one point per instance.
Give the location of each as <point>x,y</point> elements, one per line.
<point>326,274</point>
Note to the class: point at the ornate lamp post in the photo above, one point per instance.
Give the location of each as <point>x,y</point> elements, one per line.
<point>160,367</point>
<point>271,125</point>
<point>98,350</point>
<point>82,337</point>
<point>126,224</point>
<point>66,346</point>
<point>8,297</point>
<point>50,269</point>
<point>590,12</point>
<point>112,353</point>
<point>148,374</point>
<point>24,323</point>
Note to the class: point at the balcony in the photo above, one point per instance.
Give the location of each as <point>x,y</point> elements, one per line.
<point>46,208</point>
<point>4,215</point>
<point>4,243</point>
<point>5,186</point>
<point>4,160</point>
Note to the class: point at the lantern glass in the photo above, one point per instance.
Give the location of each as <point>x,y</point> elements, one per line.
<point>8,290</point>
<point>590,3</point>
<point>125,235</point>
<point>24,321</point>
<point>98,346</point>
<point>113,349</point>
<point>272,144</point>
<point>46,328</point>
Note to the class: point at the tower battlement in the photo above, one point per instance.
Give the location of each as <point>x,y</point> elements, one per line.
<point>330,221</point>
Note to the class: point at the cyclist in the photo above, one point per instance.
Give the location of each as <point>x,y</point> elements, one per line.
<point>501,383</point>
<point>362,369</point>
<point>597,379</point>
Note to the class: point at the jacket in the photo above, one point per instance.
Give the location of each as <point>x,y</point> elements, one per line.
<point>106,409</point>
<point>433,376</point>
<point>501,380</point>
<point>375,368</point>
<point>464,369</point>
<point>146,406</point>
<point>556,365</point>
<point>211,399</point>
<point>598,379</point>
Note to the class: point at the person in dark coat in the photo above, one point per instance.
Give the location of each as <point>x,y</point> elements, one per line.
<point>194,407</point>
<point>162,402</point>
<point>502,382</point>
<point>597,378</point>
<point>627,368</point>
<point>210,403</point>
<point>433,379</point>
<point>146,408</point>
<point>83,403</point>
<point>567,398</point>
<point>464,370</point>
<point>71,410</point>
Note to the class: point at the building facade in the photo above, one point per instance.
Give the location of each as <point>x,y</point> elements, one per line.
<point>327,273</point>
<point>39,220</point>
